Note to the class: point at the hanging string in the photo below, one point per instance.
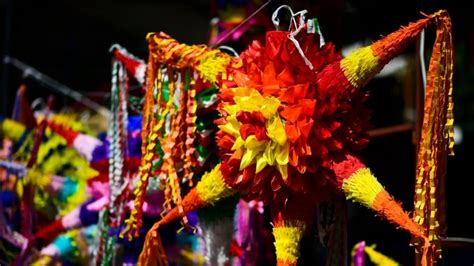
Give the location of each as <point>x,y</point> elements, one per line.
<point>221,40</point>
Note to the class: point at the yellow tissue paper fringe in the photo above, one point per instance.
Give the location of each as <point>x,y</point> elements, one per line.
<point>287,240</point>
<point>356,64</point>
<point>212,187</point>
<point>362,187</point>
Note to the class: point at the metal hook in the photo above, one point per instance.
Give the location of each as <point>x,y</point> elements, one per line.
<point>230,49</point>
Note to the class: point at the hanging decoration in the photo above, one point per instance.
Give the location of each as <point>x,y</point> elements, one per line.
<point>292,123</point>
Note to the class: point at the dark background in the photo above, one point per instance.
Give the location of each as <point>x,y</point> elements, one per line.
<point>69,41</point>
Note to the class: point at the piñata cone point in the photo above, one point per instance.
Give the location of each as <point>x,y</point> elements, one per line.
<point>191,202</point>
<point>363,64</point>
<point>289,226</point>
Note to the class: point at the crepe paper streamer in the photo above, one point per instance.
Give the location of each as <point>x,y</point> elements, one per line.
<point>172,142</point>
<point>437,136</point>
<point>150,130</point>
<point>190,159</point>
<point>179,72</point>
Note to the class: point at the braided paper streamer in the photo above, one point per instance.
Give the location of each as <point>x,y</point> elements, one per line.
<point>172,146</point>
<point>190,160</point>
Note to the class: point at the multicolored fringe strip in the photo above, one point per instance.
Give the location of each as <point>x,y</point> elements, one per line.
<point>178,88</point>
<point>437,135</point>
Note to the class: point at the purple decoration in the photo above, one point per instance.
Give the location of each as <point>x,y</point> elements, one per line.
<point>8,198</point>
<point>359,258</point>
<point>134,146</point>
<point>86,216</point>
<point>134,123</point>
<point>101,152</point>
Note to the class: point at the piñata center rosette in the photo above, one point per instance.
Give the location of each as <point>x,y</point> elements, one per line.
<point>279,130</point>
